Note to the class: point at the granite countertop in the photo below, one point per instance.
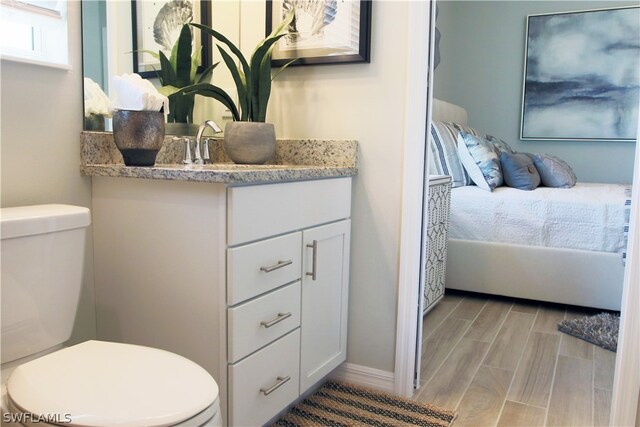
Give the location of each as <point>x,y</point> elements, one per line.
<point>294,160</point>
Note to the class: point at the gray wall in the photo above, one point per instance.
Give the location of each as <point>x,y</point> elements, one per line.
<point>481,69</point>
<point>40,136</point>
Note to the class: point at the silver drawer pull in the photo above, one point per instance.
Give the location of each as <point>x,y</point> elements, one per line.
<point>280,383</point>
<point>314,262</point>
<point>280,264</point>
<point>280,318</point>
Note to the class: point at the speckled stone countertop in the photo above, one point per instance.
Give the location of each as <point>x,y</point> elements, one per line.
<point>294,160</point>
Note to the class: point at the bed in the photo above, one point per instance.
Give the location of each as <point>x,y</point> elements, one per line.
<point>550,244</point>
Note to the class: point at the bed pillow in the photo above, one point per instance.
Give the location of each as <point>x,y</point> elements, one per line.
<point>444,159</point>
<point>519,171</point>
<point>479,158</point>
<point>554,172</point>
<point>499,145</point>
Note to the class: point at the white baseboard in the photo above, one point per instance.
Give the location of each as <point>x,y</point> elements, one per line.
<point>364,376</point>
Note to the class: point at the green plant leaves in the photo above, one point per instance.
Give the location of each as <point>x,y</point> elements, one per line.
<point>183,57</point>
<point>240,82</point>
<point>167,71</point>
<point>168,90</point>
<point>252,80</point>
<point>261,77</point>
<point>207,73</point>
<point>213,33</point>
<point>211,91</point>
<point>181,108</point>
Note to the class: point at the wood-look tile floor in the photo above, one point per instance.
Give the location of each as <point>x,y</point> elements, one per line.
<point>502,362</point>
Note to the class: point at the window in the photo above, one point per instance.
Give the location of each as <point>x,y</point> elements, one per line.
<point>34,31</point>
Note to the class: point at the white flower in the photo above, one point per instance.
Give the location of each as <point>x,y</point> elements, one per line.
<point>96,101</point>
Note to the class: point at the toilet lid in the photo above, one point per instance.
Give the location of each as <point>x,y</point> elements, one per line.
<point>109,384</point>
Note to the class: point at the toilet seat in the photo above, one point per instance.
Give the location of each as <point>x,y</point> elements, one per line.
<point>109,384</point>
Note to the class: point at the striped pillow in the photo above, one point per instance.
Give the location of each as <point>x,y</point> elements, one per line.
<point>444,159</point>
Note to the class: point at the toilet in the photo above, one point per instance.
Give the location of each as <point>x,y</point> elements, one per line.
<point>94,383</point>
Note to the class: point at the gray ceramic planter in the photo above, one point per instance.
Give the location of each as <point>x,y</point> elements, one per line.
<point>138,135</point>
<point>249,142</point>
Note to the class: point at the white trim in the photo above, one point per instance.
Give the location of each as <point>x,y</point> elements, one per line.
<point>42,63</point>
<point>417,95</point>
<point>32,8</point>
<point>364,376</point>
<point>626,384</point>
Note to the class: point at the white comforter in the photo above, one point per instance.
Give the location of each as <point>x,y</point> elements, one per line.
<point>587,216</point>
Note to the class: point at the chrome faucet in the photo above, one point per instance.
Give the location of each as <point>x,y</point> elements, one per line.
<point>204,158</point>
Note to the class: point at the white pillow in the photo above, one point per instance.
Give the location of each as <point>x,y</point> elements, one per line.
<point>480,160</point>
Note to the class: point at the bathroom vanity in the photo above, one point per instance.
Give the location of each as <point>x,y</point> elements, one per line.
<point>242,269</point>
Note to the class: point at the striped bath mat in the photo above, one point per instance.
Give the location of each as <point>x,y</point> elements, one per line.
<point>340,404</point>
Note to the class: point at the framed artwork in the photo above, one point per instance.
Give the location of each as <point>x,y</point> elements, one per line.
<point>582,76</point>
<point>156,26</point>
<point>323,31</point>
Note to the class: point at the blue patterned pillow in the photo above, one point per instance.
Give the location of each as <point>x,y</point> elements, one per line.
<point>499,145</point>
<point>554,172</point>
<point>444,159</point>
<point>480,160</point>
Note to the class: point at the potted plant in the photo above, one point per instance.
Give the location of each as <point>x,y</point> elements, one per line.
<point>177,72</point>
<point>248,139</point>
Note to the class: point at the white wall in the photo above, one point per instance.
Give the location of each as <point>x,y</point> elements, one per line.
<point>41,120</point>
<point>363,102</point>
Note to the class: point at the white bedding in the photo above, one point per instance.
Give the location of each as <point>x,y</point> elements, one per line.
<point>587,216</point>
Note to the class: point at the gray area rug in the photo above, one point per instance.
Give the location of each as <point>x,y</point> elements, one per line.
<point>600,329</point>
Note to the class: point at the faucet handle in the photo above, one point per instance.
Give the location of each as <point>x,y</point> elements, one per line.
<point>205,152</point>
<point>187,152</point>
<point>198,160</point>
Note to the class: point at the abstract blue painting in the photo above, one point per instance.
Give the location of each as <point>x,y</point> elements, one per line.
<point>582,75</point>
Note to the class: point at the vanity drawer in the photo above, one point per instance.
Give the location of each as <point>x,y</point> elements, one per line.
<point>259,267</point>
<point>254,394</point>
<point>256,323</point>
<point>259,211</point>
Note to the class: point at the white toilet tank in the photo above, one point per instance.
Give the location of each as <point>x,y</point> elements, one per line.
<point>42,254</point>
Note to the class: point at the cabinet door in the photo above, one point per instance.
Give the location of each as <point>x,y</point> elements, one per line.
<point>325,291</point>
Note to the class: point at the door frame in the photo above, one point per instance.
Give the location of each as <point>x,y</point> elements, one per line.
<point>624,405</point>
<point>626,381</point>
<point>417,107</point>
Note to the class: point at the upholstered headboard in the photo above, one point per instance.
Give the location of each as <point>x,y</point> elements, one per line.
<point>444,111</point>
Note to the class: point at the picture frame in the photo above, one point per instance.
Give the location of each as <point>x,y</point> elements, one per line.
<point>345,39</point>
<point>145,15</point>
<point>581,80</point>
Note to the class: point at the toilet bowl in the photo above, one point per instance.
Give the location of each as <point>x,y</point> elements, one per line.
<point>95,383</point>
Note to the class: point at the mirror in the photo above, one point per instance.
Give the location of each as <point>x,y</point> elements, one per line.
<point>107,45</point>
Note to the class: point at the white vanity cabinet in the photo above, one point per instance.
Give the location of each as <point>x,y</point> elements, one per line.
<point>249,281</point>
<point>298,284</point>
<point>323,342</point>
